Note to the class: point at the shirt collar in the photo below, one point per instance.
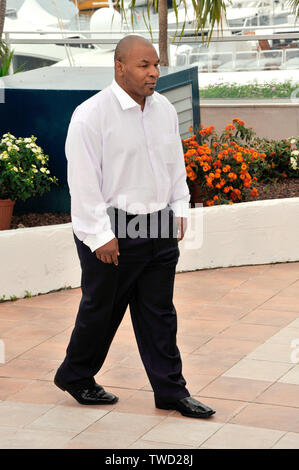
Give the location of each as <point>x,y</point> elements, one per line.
<point>124,99</point>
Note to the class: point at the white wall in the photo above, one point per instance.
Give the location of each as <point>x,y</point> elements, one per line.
<point>273,120</point>
<point>42,259</point>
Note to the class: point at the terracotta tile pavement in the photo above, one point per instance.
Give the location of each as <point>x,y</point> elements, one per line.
<point>235,328</point>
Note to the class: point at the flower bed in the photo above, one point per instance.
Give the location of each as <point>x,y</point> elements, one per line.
<point>223,234</point>
<point>224,169</point>
<point>253,90</point>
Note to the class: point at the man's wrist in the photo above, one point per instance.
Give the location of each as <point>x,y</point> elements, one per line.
<point>95,241</point>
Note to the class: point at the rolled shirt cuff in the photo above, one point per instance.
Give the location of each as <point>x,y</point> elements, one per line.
<point>180,208</point>
<point>99,239</point>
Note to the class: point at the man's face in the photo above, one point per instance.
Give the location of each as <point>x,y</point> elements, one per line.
<point>139,70</point>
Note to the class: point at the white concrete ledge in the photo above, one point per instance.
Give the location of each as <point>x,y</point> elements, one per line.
<point>258,232</point>
<point>42,259</point>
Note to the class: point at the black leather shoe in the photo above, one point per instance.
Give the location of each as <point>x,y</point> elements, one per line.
<point>87,392</point>
<point>187,407</point>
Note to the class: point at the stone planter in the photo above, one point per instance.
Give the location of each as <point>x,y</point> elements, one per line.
<point>42,259</point>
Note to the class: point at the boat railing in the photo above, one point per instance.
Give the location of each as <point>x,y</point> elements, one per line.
<point>12,37</point>
<point>240,61</point>
<point>263,51</point>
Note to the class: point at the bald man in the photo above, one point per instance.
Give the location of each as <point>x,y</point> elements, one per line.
<point>129,203</point>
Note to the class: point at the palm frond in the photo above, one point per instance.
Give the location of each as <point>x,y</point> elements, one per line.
<point>294,4</point>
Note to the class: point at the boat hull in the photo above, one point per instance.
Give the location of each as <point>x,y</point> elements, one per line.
<point>90,4</point>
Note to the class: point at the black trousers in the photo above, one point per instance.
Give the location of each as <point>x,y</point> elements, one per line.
<point>144,280</point>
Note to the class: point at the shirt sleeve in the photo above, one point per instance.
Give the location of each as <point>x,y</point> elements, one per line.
<point>90,220</point>
<point>180,196</point>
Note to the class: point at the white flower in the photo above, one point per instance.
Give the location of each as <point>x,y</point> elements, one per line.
<point>27,146</point>
<point>39,157</point>
<point>35,170</point>
<point>8,136</point>
<point>48,172</point>
<point>15,147</point>
<point>15,169</point>
<point>293,162</point>
<point>43,170</point>
<point>27,140</point>
<point>295,152</point>
<point>293,141</point>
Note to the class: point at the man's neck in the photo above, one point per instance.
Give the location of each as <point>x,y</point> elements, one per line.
<point>139,99</point>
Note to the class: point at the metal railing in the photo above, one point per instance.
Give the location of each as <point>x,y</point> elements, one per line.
<point>207,60</point>
<point>92,40</point>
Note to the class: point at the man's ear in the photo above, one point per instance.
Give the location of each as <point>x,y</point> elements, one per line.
<point>119,67</point>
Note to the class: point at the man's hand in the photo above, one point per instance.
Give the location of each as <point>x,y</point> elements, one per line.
<point>182,227</point>
<point>108,253</point>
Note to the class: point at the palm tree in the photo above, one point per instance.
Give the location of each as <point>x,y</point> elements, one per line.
<point>294,4</point>
<point>2,15</point>
<point>207,13</point>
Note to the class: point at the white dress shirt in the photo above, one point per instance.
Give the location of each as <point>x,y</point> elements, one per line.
<point>121,156</point>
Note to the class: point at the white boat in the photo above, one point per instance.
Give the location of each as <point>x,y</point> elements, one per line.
<point>31,56</point>
<point>239,14</point>
<point>104,58</point>
<point>32,11</point>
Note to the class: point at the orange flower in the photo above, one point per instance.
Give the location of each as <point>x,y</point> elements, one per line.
<point>190,173</point>
<point>190,128</point>
<point>239,121</point>
<point>244,166</point>
<point>254,192</point>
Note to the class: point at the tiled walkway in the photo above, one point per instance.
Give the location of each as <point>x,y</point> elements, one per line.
<point>235,332</point>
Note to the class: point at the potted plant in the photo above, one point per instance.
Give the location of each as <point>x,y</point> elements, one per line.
<point>23,173</point>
